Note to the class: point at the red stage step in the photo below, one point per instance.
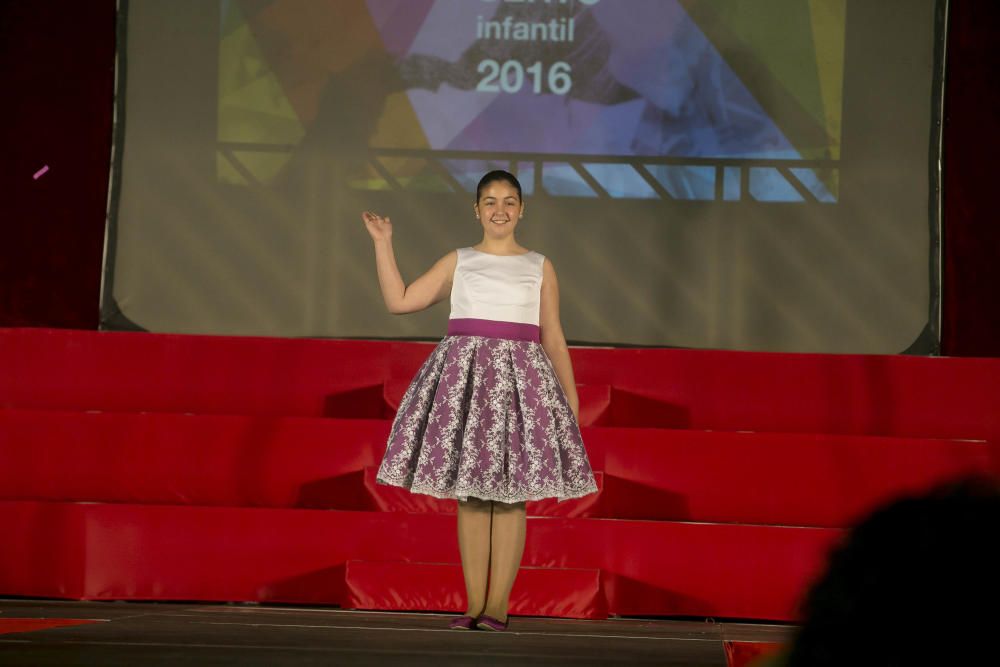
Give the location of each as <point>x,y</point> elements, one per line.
<point>150,552</point>
<point>795,479</point>
<point>687,389</point>
<point>538,591</point>
<point>655,474</point>
<point>163,458</point>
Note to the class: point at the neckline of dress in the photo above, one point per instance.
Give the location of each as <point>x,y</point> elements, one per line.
<point>492,254</point>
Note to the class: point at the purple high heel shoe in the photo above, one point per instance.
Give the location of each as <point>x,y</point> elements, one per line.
<point>485,622</point>
<point>462,623</point>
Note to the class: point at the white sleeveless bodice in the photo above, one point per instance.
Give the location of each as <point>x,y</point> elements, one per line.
<point>504,288</point>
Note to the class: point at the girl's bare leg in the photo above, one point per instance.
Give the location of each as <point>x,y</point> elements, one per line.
<point>507,547</point>
<point>474,522</point>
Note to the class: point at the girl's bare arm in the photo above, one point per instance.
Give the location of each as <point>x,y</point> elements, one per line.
<point>553,340</point>
<point>423,292</point>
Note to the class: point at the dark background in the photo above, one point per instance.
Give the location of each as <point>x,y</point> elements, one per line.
<point>57,71</point>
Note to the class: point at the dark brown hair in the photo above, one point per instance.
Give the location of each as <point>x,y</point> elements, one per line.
<point>498,175</point>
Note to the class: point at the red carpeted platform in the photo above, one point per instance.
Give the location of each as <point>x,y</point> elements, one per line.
<point>145,466</point>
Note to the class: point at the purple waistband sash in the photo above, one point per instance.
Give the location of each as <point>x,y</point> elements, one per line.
<point>494,329</point>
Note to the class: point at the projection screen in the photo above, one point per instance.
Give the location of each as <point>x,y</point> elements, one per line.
<point>702,173</point>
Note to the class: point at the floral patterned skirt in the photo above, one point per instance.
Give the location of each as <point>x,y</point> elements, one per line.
<point>487,418</point>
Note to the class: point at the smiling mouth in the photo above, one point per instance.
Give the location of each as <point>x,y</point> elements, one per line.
<point>500,221</point>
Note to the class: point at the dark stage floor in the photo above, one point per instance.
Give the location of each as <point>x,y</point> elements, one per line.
<point>195,634</point>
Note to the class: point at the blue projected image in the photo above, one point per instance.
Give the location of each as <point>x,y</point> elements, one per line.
<point>638,99</point>
<point>642,81</point>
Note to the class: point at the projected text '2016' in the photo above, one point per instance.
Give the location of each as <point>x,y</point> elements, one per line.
<point>511,77</point>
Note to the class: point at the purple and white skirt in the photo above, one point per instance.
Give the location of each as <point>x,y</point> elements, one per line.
<point>485,417</point>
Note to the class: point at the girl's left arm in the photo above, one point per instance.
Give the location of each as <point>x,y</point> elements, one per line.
<point>553,340</point>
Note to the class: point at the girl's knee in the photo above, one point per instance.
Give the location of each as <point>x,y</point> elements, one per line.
<point>475,504</point>
<point>499,507</point>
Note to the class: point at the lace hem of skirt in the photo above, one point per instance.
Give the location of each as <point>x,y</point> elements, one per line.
<point>482,493</point>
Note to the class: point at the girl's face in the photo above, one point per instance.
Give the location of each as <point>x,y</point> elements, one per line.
<point>498,209</point>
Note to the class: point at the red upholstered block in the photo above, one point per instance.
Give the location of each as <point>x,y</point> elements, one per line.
<point>393,390</point>
<point>538,591</point>
<point>159,458</point>
<point>594,402</point>
<point>636,409</point>
<point>797,479</point>
<point>358,403</point>
<point>88,370</point>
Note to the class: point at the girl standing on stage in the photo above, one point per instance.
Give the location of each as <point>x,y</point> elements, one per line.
<point>491,417</point>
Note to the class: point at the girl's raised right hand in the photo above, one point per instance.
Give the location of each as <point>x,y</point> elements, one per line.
<point>378,227</point>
